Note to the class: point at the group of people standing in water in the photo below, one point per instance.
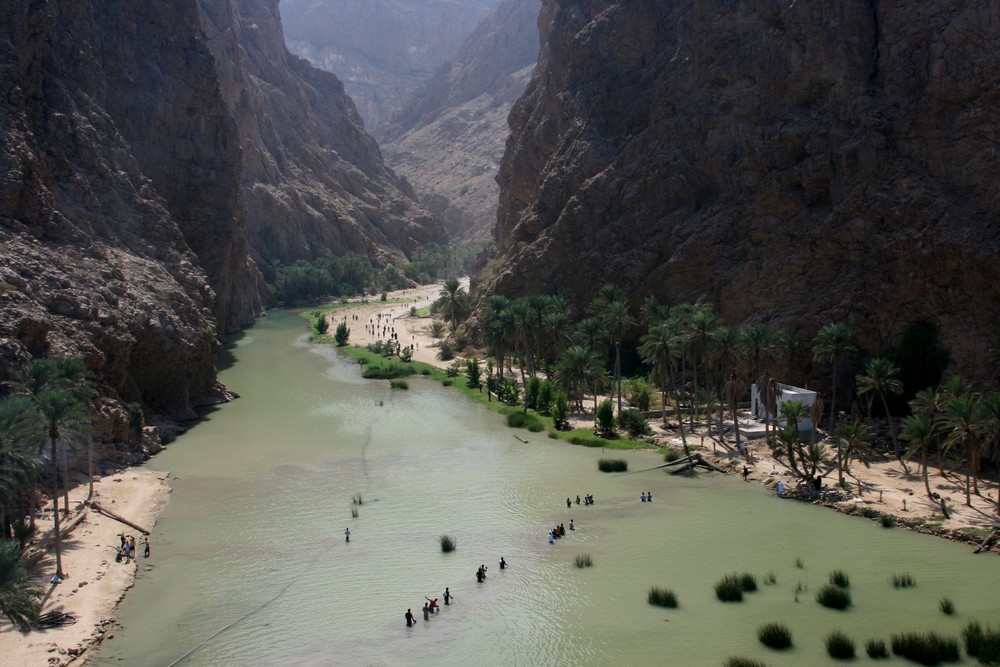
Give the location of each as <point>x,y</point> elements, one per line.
<point>432,606</point>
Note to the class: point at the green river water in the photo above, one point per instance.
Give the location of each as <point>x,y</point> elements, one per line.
<point>262,494</point>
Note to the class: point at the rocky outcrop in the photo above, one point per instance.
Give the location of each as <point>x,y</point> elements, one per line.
<point>382,49</point>
<point>448,140</point>
<point>119,167</point>
<point>792,163</point>
<point>314,181</point>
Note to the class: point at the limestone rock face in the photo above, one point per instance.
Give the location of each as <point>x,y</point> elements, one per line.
<point>314,182</point>
<point>793,162</point>
<point>119,167</point>
<point>382,49</point>
<point>448,140</point>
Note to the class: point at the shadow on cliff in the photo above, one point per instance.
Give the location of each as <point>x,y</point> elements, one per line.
<point>225,358</point>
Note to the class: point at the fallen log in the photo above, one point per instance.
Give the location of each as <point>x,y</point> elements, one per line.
<point>108,513</point>
<point>985,544</point>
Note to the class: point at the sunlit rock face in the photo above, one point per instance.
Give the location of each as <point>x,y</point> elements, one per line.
<point>793,162</point>
<point>448,140</point>
<point>382,49</point>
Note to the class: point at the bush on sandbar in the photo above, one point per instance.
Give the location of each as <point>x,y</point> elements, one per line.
<point>839,646</point>
<point>833,597</point>
<point>774,635</point>
<point>612,465</point>
<point>927,648</point>
<point>662,597</point>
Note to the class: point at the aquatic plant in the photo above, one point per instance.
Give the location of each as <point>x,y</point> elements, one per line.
<point>584,560</point>
<point>612,465</point>
<point>927,649</point>
<point>840,578</point>
<point>774,635</point>
<point>670,456</point>
<point>982,643</point>
<point>447,382</point>
<point>729,589</point>
<point>448,543</point>
<point>739,661</point>
<point>946,606</point>
<point>840,646</point>
<point>662,597</point>
<point>399,384</point>
<point>770,579</point>
<point>902,580</point>
<point>876,649</point>
<point>520,419</point>
<point>356,499</point>
<point>798,563</point>
<point>587,442</point>
<point>833,597</point>
<point>354,512</point>
<point>748,582</point>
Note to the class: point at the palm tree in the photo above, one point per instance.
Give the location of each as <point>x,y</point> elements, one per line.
<point>19,459</point>
<point>991,431</point>
<point>852,440</point>
<point>658,349</point>
<point>701,328</point>
<point>453,303</point>
<point>918,430</point>
<point>578,369</point>
<point>793,411</point>
<point>617,322</point>
<point>881,378</point>
<point>20,598</point>
<point>833,343</point>
<point>962,423</point>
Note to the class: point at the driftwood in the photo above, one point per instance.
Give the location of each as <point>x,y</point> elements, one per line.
<point>693,461</point>
<point>98,507</point>
<point>520,438</point>
<point>987,543</point>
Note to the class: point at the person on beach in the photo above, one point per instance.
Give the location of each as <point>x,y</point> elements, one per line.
<point>131,546</point>
<point>409,618</point>
<point>503,563</point>
<point>746,474</point>
<point>347,534</point>
<point>447,596</point>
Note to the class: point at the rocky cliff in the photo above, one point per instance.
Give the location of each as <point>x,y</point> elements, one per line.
<point>382,49</point>
<point>448,139</point>
<point>314,181</point>
<point>794,162</point>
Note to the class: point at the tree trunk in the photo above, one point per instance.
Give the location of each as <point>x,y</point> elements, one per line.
<point>680,423</point>
<point>923,462</point>
<point>55,506</point>
<point>618,373</point>
<point>833,394</point>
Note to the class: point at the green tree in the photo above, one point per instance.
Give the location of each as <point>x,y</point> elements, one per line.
<point>577,370</point>
<point>605,421</point>
<point>881,378</point>
<point>852,441</point>
<point>560,410</point>
<point>19,462</point>
<point>659,348</point>
<point>793,412</point>
<point>991,431</point>
<point>341,335</point>
<point>918,430</point>
<point>20,598</point>
<point>453,303</point>
<point>962,424</point>
<point>833,343</point>
<point>322,325</point>
<point>473,373</point>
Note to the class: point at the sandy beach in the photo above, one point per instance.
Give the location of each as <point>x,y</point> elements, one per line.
<point>95,583</point>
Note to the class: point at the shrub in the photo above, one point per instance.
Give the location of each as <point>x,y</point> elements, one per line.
<point>560,410</point>
<point>437,329</point>
<point>447,544</point>
<point>671,455</point>
<point>833,597</point>
<point>383,296</point>
<point>447,382</point>
<point>584,560</point>
<point>321,325</point>
<point>425,371</point>
<point>739,661</point>
<point>839,578</point>
<point>729,589</point>
<point>399,384</point>
<point>840,646</point>
<point>531,389</point>
<point>926,649</point>
<point>545,396</point>
<point>902,580</point>
<point>946,606</point>
<point>606,416</point>
<point>342,334</point>
<point>454,370</point>
<point>384,371</point>
<point>876,649</point>
<point>888,521</point>
<point>982,644</point>
<point>748,582</point>
<point>774,635</point>
<point>508,392</point>
<point>526,420</point>
<point>633,423</point>
<point>662,597</point>
<point>473,373</point>
<point>612,465</point>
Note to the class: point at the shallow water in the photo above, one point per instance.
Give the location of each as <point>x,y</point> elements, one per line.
<point>250,566</point>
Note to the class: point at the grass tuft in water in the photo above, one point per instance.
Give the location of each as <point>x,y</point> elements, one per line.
<point>448,544</point>
<point>833,597</point>
<point>982,643</point>
<point>729,589</point>
<point>774,635</point>
<point>840,578</point>
<point>748,582</point>
<point>770,579</point>
<point>798,563</point>
<point>876,649</point>
<point>739,661</point>
<point>584,560</point>
<point>399,384</point>
<point>903,580</point>
<point>356,499</point>
<point>612,465</point>
<point>662,597</point>
<point>927,648</point>
<point>354,512</point>
<point>946,606</point>
<point>839,646</point>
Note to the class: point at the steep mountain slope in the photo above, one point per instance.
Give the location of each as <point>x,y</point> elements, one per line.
<point>791,161</point>
<point>447,141</point>
<point>314,180</point>
<point>382,49</point>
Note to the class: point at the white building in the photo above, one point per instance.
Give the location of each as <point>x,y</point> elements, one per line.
<point>786,393</point>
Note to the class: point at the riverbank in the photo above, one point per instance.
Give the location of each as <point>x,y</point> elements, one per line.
<point>882,488</point>
<point>94,583</point>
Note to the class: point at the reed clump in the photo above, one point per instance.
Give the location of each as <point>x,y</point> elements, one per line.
<point>840,578</point>
<point>774,635</point>
<point>662,597</point>
<point>839,646</point>
<point>448,544</point>
<point>833,597</point>
<point>903,580</point>
<point>982,643</point>
<point>612,465</point>
<point>584,560</point>
<point>946,606</point>
<point>925,648</point>
<point>876,649</point>
<point>729,589</point>
<point>739,661</point>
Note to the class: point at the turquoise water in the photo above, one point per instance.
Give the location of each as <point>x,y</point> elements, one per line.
<point>250,565</point>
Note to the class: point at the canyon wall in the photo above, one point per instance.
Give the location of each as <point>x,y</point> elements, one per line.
<point>795,163</point>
